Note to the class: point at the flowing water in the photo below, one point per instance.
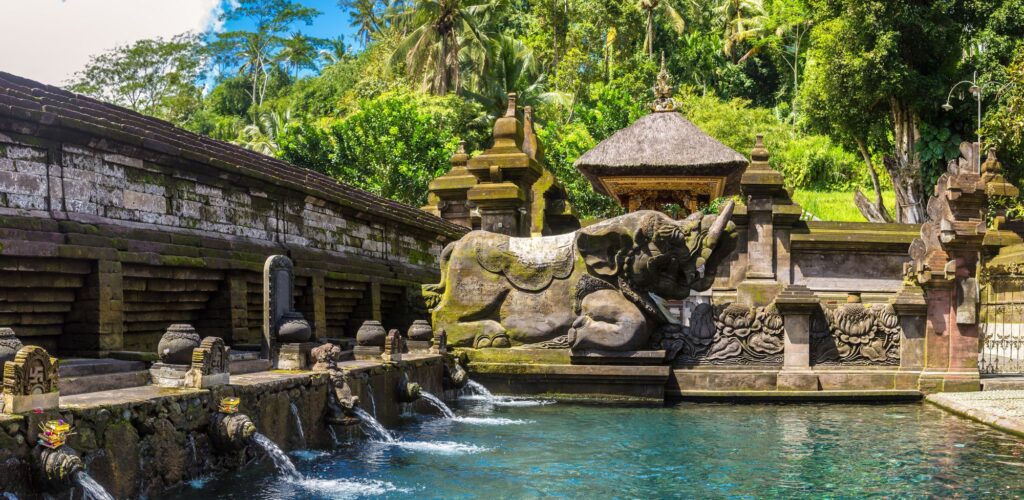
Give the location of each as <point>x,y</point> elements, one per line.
<point>376,429</point>
<point>477,388</point>
<point>373,402</point>
<point>681,451</point>
<point>437,403</point>
<point>90,487</point>
<point>334,436</point>
<point>281,461</point>
<point>298,425</point>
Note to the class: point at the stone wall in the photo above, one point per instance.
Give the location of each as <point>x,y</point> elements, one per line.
<point>142,441</point>
<point>114,225</point>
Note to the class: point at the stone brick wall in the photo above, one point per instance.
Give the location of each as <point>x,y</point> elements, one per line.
<point>114,225</point>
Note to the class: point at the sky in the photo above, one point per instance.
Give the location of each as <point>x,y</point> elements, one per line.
<point>49,40</point>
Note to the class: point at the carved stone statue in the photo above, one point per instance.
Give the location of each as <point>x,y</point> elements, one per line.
<point>30,381</point>
<point>600,288</point>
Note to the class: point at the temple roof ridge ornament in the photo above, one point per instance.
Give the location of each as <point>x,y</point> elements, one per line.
<point>663,101</point>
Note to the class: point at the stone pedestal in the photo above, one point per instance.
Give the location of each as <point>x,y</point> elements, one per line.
<point>796,304</point>
<point>367,352</point>
<point>294,356</point>
<point>168,375</point>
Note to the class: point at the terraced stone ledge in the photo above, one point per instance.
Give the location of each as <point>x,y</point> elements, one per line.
<point>1003,410</point>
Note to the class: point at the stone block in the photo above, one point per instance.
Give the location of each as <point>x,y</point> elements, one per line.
<point>294,356</point>
<point>797,380</point>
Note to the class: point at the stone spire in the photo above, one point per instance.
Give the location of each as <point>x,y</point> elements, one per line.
<point>447,194</point>
<point>760,178</point>
<point>663,101</point>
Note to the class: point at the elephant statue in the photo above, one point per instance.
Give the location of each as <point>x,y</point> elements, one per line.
<point>600,288</point>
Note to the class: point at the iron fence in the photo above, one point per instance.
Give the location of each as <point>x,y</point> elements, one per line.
<point>1002,326</point>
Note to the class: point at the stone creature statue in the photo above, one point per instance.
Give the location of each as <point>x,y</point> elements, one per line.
<point>599,288</point>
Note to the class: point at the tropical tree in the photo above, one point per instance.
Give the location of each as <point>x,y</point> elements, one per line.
<point>438,31</point>
<point>334,50</point>
<point>253,52</point>
<point>155,76</point>
<point>364,17</point>
<point>262,135</point>
<point>511,67</point>
<point>742,20</point>
<point>299,52</point>
<point>649,8</point>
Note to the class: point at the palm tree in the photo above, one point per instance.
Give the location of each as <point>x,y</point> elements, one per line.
<point>743,20</point>
<point>511,67</point>
<point>335,50</point>
<point>363,14</point>
<point>676,20</point>
<point>438,31</point>
<point>298,52</point>
<point>261,137</point>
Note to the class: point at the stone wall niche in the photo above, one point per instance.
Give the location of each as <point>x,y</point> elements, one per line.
<point>286,332</point>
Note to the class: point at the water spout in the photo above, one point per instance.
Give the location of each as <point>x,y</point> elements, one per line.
<point>90,487</point>
<point>298,425</point>
<point>373,399</point>
<point>281,461</point>
<point>437,403</point>
<point>478,389</point>
<point>334,435</point>
<point>374,426</point>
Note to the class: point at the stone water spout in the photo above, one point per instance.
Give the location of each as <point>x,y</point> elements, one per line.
<point>59,467</point>
<point>231,431</point>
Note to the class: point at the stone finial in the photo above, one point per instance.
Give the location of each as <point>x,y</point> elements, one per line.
<point>9,345</point>
<point>759,155</point>
<point>663,101</point>
<point>996,184</point>
<point>510,111</point>
<point>392,347</point>
<point>531,146</point>
<point>177,343</point>
<point>371,333</point>
<point>420,330</point>
<point>459,158</point>
<point>440,344</point>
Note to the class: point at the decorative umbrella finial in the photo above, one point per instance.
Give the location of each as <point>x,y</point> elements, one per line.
<point>663,100</point>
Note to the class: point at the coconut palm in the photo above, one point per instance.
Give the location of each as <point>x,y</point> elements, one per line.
<point>649,7</point>
<point>261,137</point>
<point>438,30</point>
<point>299,52</point>
<point>364,17</point>
<point>511,67</point>
<point>743,20</point>
<point>335,50</point>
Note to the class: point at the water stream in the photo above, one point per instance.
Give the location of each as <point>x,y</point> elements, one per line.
<point>437,403</point>
<point>298,425</point>
<point>373,402</point>
<point>90,487</point>
<point>281,461</point>
<point>374,426</point>
<point>478,389</point>
<point>334,435</point>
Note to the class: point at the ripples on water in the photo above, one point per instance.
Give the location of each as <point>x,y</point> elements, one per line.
<point>687,450</point>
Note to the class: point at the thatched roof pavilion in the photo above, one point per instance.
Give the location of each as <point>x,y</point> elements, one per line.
<point>662,158</point>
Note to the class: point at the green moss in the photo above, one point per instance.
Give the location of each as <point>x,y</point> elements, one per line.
<point>180,261</point>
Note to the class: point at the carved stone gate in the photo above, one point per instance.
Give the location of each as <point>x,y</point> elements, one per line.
<point>1001,329</point>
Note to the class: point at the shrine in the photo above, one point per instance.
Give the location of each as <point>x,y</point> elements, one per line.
<point>663,161</point>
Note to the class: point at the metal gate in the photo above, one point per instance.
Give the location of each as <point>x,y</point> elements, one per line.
<point>1002,325</point>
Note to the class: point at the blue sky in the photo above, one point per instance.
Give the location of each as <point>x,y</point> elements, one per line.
<point>331,23</point>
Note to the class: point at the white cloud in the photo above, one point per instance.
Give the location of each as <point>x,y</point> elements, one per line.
<point>49,40</point>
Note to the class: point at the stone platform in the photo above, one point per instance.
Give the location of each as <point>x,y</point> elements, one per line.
<point>551,373</point>
<point>1003,410</point>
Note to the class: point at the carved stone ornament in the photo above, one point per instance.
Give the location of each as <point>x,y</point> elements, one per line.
<point>325,357</point>
<point>392,347</point>
<point>420,330</point>
<point>856,334</point>
<point>663,101</point>
<point>371,333</point>
<point>210,364</point>
<point>728,334</point>
<point>32,372</point>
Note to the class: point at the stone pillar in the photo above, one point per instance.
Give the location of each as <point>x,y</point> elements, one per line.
<point>796,303</point>
<point>319,296</point>
<point>238,290</point>
<point>912,308</point>
<point>111,305</point>
<point>945,263</point>
<point>375,313</point>
<point>770,215</point>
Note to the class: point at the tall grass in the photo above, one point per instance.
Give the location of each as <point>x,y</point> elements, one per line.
<point>837,205</point>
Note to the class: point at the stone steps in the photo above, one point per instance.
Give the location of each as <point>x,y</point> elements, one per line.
<point>80,376</point>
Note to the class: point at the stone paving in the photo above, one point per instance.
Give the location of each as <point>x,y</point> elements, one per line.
<point>1003,410</point>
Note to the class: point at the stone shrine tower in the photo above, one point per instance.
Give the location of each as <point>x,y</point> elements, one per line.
<point>505,189</point>
<point>663,159</point>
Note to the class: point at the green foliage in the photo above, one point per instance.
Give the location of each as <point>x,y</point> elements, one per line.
<point>814,161</point>
<point>937,146</point>
<point>564,143</point>
<point>835,205</point>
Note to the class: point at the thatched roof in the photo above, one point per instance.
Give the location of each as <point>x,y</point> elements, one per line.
<point>660,144</point>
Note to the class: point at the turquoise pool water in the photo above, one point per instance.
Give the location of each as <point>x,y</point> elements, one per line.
<point>682,451</point>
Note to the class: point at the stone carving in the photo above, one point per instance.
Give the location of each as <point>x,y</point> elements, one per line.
<point>281,322</point>
<point>369,340</point>
<point>498,291</point>
<point>392,347</point>
<point>856,334</point>
<point>420,330</point>
<point>9,345</point>
<point>57,466</point>
<point>440,343</point>
<point>231,431</point>
<point>210,364</point>
<point>325,356</point>
<point>30,381</point>
<point>177,343</point>
<point>728,334</point>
